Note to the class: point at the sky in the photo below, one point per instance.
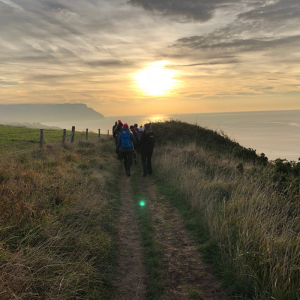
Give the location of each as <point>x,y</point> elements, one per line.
<point>212,55</point>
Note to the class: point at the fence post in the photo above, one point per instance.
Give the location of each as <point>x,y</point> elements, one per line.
<point>87,134</point>
<point>64,135</point>
<point>41,137</point>
<point>99,133</point>
<point>72,135</point>
<point>108,132</point>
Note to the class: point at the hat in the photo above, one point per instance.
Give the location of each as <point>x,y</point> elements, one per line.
<point>125,125</point>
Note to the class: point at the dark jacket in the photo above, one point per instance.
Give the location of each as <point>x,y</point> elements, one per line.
<point>117,129</point>
<point>147,141</point>
<point>113,130</point>
<point>132,138</point>
<point>135,135</point>
<point>116,132</point>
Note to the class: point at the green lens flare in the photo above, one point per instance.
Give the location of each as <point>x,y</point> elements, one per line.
<point>142,203</point>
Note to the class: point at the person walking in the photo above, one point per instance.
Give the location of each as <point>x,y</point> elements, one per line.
<point>136,144</point>
<point>113,129</point>
<point>125,147</point>
<point>117,129</point>
<point>116,135</point>
<point>147,142</point>
<point>141,130</point>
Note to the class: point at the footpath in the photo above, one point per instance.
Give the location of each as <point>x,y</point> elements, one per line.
<point>181,273</point>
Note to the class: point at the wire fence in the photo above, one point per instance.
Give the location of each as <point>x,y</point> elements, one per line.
<point>16,142</point>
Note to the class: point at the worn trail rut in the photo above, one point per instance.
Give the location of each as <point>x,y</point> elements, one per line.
<point>184,274</point>
<point>131,281</point>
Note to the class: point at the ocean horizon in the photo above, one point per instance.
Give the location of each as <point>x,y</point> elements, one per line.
<point>274,133</point>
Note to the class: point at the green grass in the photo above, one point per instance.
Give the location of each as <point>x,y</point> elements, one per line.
<point>15,139</point>
<point>155,287</point>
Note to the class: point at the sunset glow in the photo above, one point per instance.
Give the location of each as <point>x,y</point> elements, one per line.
<point>156,80</point>
<point>183,56</point>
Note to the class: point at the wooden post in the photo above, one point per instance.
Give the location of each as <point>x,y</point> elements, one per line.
<point>64,135</point>
<point>41,137</point>
<point>99,133</point>
<point>107,132</point>
<point>72,135</point>
<point>87,134</point>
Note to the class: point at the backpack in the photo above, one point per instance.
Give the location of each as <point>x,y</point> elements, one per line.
<point>125,139</point>
<point>150,139</point>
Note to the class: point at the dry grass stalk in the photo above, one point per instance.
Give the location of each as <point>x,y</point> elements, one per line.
<point>255,228</point>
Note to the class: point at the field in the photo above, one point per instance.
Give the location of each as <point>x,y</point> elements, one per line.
<point>15,140</point>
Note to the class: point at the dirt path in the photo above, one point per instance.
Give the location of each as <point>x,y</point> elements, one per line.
<point>131,281</point>
<point>184,274</point>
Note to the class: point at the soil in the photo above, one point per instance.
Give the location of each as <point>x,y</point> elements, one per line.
<point>184,273</point>
<point>131,281</point>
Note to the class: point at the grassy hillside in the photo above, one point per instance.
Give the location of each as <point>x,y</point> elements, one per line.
<point>244,210</point>
<point>57,238</point>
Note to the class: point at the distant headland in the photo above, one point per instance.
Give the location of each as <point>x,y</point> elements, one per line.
<point>42,113</point>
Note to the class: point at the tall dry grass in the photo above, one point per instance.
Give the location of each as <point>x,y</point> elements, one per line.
<point>57,209</point>
<point>255,228</point>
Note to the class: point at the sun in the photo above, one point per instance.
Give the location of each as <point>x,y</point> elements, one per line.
<point>155,80</point>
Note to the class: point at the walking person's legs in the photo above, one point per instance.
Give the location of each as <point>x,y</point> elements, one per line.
<point>129,162</point>
<point>124,154</point>
<point>149,163</point>
<point>144,163</point>
<point>134,157</point>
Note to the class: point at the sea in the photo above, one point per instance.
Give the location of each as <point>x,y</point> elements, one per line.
<point>274,133</point>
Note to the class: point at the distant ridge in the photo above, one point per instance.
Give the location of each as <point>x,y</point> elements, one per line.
<point>47,113</point>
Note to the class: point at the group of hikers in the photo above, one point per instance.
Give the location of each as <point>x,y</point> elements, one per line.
<point>132,140</point>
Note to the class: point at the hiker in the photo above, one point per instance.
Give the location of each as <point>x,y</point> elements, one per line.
<point>125,147</point>
<point>136,144</point>
<point>116,134</point>
<point>136,128</point>
<point>147,142</point>
<point>140,131</point>
<point>134,133</point>
<point>113,129</point>
<point>137,137</point>
<point>117,129</point>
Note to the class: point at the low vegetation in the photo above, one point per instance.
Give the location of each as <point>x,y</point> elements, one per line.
<point>57,233</point>
<point>246,208</point>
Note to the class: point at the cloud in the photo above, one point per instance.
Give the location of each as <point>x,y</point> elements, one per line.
<point>226,44</point>
<point>219,62</point>
<point>278,11</point>
<point>110,63</point>
<point>185,10</point>
<point>11,4</point>
<point>195,96</point>
<point>8,82</point>
<point>246,94</point>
